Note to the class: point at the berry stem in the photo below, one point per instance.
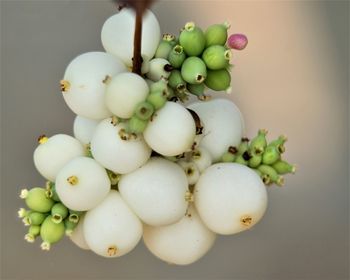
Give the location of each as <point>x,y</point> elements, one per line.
<point>137,59</point>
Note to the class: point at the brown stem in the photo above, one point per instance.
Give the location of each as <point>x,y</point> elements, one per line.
<point>137,59</point>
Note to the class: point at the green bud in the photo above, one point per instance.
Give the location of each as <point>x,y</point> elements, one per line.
<point>36,218</point>
<point>218,80</point>
<point>136,125</point>
<point>279,143</point>
<point>193,70</point>
<point>216,57</point>
<point>165,46</point>
<point>157,99</point>
<point>37,200</point>
<point>192,39</point>
<point>216,34</point>
<point>59,212</point>
<point>51,232</point>
<point>283,167</point>
<point>176,81</point>
<point>144,110</point>
<point>270,155</point>
<point>33,232</point>
<point>255,160</point>
<point>272,174</point>
<point>69,226</point>
<point>22,213</point>
<point>177,56</point>
<point>258,144</point>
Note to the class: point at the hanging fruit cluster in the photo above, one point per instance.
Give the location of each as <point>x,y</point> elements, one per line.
<point>141,164</point>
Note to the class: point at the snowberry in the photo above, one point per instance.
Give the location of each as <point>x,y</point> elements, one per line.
<point>84,128</point>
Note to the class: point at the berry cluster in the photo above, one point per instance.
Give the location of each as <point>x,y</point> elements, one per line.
<point>141,165</point>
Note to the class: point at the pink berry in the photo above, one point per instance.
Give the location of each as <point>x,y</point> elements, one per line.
<point>237,41</point>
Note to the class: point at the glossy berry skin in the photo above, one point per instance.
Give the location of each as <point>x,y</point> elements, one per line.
<point>216,34</point>
<point>237,41</point>
<point>192,39</point>
<point>193,70</point>
<point>218,80</point>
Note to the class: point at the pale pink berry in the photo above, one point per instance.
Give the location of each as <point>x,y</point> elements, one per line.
<point>237,41</point>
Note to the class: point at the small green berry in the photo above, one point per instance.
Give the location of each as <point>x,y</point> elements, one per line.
<point>37,200</point>
<point>243,146</point>
<point>176,81</point>
<point>165,46</point>
<point>74,216</point>
<point>144,110</point>
<point>157,99</point>
<point>69,226</point>
<point>196,89</point>
<point>192,39</point>
<point>51,187</point>
<point>51,232</point>
<point>279,143</point>
<point>36,218</point>
<point>136,125</point>
<point>259,143</point>
<point>218,80</point>
<point>216,57</point>
<point>216,34</point>
<point>270,155</point>
<point>193,70</point>
<point>59,212</point>
<point>272,173</point>
<point>255,160</point>
<point>176,56</point>
<point>283,167</point>
<point>33,232</point>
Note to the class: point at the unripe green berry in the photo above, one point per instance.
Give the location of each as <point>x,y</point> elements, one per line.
<point>33,232</point>
<point>258,143</point>
<point>59,212</point>
<point>193,70</point>
<point>165,46</point>
<point>240,159</point>
<point>144,110</point>
<point>69,226</point>
<point>270,155</point>
<point>157,99</point>
<point>197,89</point>
<point>216,34</point>
<point>160,85</point>
<point>74,216</point>
<point>136,125</point>
<point>51,232</point>
<point>272,173</point>
<point>255,160</point>
<point>37,200</point>
<point>283,167</point>
<point>279,143</point>
<point>192,39</point>
<point>176,56</point>
<point>243,146</point>
<point>51,187</point>
<point>228,157</point>
<point>176,81</point>
<point>216,57</point>
<point>218,80</point>
<point>36,218</point>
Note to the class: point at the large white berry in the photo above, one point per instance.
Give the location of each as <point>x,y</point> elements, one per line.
<point>124,92</point>
<point>84,83</point>
<point>55,152</point>
<point>84,128</point>
<point>117,35</point>
<point>230,198</point>
<point>157,69</point>
<point>116,153</point>
<point>156,192</point>
<point>223,125</point>
<point>82,184</point>
<point>171,131</point>
<point>77,236</point>
<point>111,229</point>
<point>181,243</point>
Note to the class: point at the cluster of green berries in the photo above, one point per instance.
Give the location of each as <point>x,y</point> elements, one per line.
<point>265,158</point>
<point>158,95</point>
<point>46,215</point>
<point>199,59</point>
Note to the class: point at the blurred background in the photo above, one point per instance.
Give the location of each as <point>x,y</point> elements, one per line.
<point>292,78</point>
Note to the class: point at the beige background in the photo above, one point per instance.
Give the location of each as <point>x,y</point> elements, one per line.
<point>291,79</point>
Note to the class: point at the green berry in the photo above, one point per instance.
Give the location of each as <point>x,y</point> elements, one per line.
<point>241,160</point>
<point>228,157</point>
<point>74,216</point>
<point>193,70</point>
<point>176,56</point>
<point>196,89</point>
<point>255,160</point>
<point>283,167</point>
<point>51,232</point>
<point>36,218</point>
<point>216,34</point>
<point>279,143</point>
<point>59,212</point>
<point>144,110</point>
<point>216,57</point>
<point>243,146</point>
<point>192,39</point>
<point>218,80</point>
<point>165,46</point>
<point>137,125</point>
<point>51,188</point>
<point>176,81</point>
<point>159,85</point>
<point>69,226</point>
<point>270,155</point>
<point>37,200</point>
<point>271,173</point>
<point>157,99</point>
<point>259,143</point>
<point>33,232</point>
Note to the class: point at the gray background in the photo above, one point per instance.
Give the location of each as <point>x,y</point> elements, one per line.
<point>291,79</point>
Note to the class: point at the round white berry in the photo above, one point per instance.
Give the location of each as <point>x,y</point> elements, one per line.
<point>84,128</point>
